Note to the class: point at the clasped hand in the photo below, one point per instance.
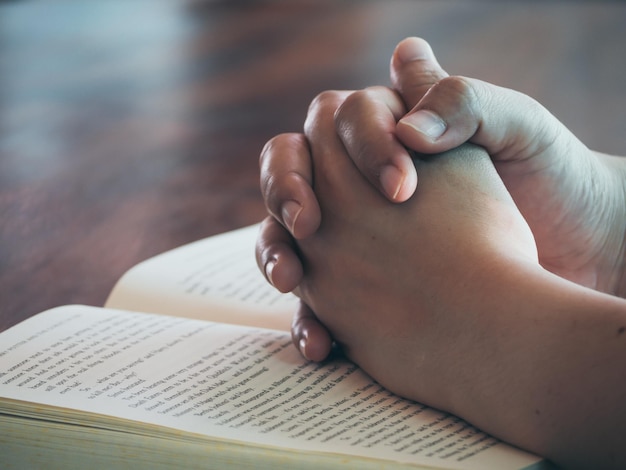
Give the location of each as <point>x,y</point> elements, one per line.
<point>473,288</point>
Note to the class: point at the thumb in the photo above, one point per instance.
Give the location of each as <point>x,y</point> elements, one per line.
<point>508,124</point>
<point>414,70</point>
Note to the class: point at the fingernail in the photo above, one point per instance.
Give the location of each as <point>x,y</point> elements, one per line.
<point>269,269</point>
<point>290,212</point>
<point>391,179</point>
<point>426,122</point>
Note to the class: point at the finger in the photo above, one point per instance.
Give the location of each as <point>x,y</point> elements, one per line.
<point>366,124</point>
<point>286,178</point>
<point>414,70</point>
<point>309,335</point>
<point>333,169</point>
<point>366,121</point>
<point>508,124</point>
<point>276,256</point>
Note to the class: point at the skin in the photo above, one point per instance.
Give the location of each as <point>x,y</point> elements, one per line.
<point>531,344</point>
<point>573,198</point>
<point>379,277</point>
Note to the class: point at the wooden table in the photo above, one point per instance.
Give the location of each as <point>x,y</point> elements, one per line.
<point>130,127</point>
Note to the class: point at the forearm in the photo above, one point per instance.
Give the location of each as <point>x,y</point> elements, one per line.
<point>548,375</point>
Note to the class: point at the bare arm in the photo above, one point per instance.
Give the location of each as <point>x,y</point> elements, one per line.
<point>442,300</point>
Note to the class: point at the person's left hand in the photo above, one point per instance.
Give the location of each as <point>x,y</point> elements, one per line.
<point>287,184</point>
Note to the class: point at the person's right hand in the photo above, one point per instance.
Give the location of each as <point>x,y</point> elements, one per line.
<point>572,198</point>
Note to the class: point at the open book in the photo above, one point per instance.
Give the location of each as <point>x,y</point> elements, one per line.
<point>190,366</point>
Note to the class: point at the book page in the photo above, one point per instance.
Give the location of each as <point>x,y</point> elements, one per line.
<point>212,279</point>
<point>223,382</point>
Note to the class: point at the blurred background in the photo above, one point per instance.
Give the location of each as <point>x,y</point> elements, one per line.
<point>129,127</point>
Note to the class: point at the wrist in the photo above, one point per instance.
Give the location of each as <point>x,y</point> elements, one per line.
<point>543,375</point>
<point>615,211</point>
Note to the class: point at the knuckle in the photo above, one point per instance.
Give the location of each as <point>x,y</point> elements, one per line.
<point>460,88</point>
<point>322,108</point>
<point>268,185</point>
<point>361,99</point>
<point>267,150</point>
<point>271,147</point>
<point>278,146</point>
<point>461,94</point>
<point>271,162</point>
<point>324,100</point>
<point>356,106</point>
<point>270,196</point>
<point>355,103</point>
<point>369,94</point>
<point>355,100</point>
